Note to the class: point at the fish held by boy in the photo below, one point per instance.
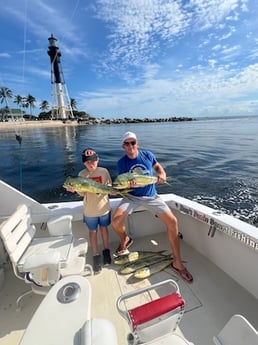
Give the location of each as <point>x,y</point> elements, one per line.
<point>136,265</point>
<point>147,271</point>
<point>134,256</point>
<point>86,185</point>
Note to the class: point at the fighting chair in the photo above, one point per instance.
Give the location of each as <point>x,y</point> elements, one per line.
<point>155,320</point>
<point>237,331</point>
<point>42,261</point>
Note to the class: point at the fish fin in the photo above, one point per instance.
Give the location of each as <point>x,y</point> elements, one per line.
<point>168,181</point>
<point>140,171</point>
<point>162,252</point>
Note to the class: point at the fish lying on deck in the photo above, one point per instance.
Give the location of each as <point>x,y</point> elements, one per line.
<point>147,271</point>
<point>86,185</point>
<point>134,256</point>
<point>134,266</point>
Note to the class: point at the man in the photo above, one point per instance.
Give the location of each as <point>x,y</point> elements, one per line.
<point>146,196</point>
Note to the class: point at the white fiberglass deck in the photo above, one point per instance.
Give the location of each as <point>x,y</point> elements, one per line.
<point>211,299</point>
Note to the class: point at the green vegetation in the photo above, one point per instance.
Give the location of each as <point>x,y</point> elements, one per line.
<point>30,101</point>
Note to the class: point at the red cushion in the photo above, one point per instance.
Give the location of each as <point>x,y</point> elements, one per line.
<point>155,308</point>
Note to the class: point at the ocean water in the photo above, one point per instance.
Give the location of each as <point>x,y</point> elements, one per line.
<point>212,161</point>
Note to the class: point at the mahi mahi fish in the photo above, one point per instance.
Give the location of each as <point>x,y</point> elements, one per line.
<point>147,271</point>
<point>123,180</point>
<point>134,266</point>
<point>134,256</point>
<point>86,185</point>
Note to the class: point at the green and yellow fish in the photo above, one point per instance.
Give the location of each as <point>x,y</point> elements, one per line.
<point>156,267</point>
<point>134,256</point>
<point>136,265</point>
<point>123,181</point>
<point>86,185</point>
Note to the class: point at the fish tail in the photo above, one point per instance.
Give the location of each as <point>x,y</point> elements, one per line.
<point>125,195</point>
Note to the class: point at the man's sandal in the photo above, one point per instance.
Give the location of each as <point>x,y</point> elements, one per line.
<point>123,248</point>
<point>184,274</point>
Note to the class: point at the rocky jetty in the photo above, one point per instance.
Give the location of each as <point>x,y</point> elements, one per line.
<point>85,121</point>
<point>131,120</point>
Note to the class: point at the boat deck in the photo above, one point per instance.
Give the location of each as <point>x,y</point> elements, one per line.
<point>211,299</point>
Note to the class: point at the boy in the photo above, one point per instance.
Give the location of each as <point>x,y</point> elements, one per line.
<point>96,208</point>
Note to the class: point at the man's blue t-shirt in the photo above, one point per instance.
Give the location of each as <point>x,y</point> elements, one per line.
<point>144,161</point>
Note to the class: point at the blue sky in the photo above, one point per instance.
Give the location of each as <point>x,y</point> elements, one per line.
<point>136,58</point>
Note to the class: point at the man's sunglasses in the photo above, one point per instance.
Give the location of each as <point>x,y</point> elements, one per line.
<point>127,143</point>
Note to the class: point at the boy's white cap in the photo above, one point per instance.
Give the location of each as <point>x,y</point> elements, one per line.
<point>128,135</point>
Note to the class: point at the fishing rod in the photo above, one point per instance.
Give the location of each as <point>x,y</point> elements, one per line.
<point>19,139</point>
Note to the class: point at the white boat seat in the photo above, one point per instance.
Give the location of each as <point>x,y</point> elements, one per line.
<point>156,319</point>
<point>42,261</point>
<point>237,331</point>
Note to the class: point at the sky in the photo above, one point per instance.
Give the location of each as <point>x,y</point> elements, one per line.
<point>136,58</point>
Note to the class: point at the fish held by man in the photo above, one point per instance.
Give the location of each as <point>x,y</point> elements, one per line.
<point>134,256</point>
<point>147,271</point>
<point>123,181</point>
<point>136,265</point>
<point>86,185</point>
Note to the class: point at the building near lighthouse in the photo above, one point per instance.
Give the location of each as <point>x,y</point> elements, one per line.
<point>60,100</point>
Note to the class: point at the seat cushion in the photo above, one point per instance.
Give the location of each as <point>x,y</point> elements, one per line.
<point>62,244</point>
<point>155,308</point>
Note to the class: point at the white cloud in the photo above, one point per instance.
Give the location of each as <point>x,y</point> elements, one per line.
<point>5,55</point>
<point>192,94</point>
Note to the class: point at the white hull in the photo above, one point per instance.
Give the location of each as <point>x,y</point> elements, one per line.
<point>221,253</point>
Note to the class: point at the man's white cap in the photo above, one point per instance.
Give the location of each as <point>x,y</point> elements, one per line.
<point>128,135</point>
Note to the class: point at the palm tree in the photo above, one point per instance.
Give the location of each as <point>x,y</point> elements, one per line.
<point>30,100</point>
<point>5,94</point>
<point>73,103</point>
<point>19,100</point>
<point>44,105</point>
<point>25,105</point>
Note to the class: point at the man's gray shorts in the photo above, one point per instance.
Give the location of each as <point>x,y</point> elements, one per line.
<point>154,204</point>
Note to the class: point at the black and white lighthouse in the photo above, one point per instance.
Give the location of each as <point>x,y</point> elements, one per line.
<point>61,107</point>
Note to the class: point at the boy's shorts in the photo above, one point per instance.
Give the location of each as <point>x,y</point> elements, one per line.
<point>93,222</point>
<point>154,204</point>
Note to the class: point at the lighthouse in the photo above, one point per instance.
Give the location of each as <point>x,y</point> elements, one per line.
<point>61,107</point>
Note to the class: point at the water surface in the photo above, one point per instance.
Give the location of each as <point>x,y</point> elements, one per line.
<point>212,161</point>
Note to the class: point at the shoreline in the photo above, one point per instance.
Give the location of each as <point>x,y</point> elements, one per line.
<point>33,124</point>
<point>59,123</point>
